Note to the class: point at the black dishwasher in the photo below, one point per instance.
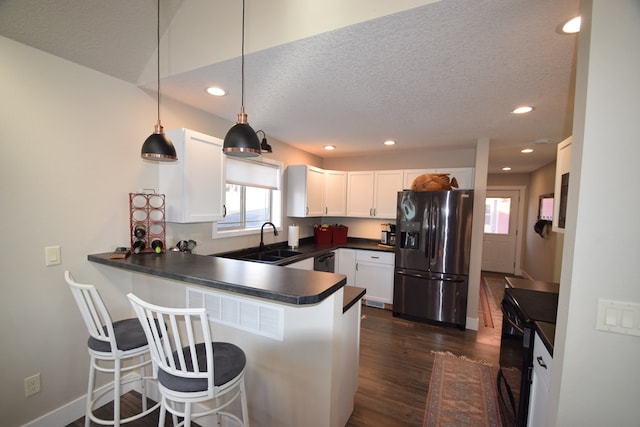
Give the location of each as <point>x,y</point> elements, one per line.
<point>325,262</point>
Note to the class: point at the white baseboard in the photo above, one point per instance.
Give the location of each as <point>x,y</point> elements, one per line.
<point>472,323</point>
<point>75,409</point>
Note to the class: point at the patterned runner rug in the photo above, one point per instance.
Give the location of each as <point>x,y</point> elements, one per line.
<point>461,393</point>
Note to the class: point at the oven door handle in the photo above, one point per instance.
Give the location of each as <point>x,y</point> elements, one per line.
<point>507,317</point>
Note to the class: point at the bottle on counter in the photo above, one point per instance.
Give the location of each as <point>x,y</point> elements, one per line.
<point>157,246</point>
<point>138,246</point>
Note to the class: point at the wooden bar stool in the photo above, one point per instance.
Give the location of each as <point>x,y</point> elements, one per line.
<point>191,372</point>
<point>109,345</point>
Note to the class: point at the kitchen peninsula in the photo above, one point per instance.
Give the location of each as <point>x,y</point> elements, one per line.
<point>300,335</point>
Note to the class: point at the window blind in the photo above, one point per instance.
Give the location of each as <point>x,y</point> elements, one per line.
<point>252,173</point>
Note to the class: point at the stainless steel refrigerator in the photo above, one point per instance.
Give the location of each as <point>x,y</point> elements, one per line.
<point>433,243</point>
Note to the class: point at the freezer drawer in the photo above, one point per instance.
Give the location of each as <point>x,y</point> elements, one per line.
<point>430,297</point>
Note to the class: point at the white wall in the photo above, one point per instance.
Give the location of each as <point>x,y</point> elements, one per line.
<point>595,374</point>
<point>71,141</point>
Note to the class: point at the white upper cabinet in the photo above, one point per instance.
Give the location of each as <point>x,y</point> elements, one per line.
<point>335,193</point>
<point>386,187</point>
<point>373,193</point>
<point>464,176</point>
<point>360,193</point>
<point>563,166</point>
<point>305,191</point>
<point>194,185</point>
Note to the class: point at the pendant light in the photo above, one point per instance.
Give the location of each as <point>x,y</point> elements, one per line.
<point>241,140</point>
<point>264,145</point>
<point>157,146</point>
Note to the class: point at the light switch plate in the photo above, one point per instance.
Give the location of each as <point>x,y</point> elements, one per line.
<point>618,316</point>
<point>52,256</point>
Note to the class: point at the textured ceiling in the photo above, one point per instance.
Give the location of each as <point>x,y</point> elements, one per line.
<point>440,75</point>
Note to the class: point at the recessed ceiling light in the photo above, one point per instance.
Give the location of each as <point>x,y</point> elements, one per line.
<point>527,150</point>
<point>522,110</point>
<point>506,168</point>
<point>572,26</point>
<point>216,91</point>
<point>329,147</point>
<point>389,142</point>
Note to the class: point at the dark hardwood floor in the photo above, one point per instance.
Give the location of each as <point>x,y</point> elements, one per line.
<point>395,366</point>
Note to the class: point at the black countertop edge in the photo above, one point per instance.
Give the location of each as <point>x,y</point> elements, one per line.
<point>547,333</point>
<point>351,296</point>
<point>308,249</point>
<point>285,285</point>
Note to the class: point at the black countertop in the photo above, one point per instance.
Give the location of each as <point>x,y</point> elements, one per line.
<point>547,333</point>
<point>267,281</point>
<point>287,285</point>
<point>534,285</point>
<point>308,248</point>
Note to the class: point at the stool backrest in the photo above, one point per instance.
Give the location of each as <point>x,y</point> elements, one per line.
<point>93,311</point>
<point>173,334</point>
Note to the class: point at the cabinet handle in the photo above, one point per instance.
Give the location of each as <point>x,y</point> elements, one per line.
<point>224,211</point>
<point>541,362</point>
<point>375,257</point>
<point>306,211</point>
<point>356,266</point>
<point>326,210</point>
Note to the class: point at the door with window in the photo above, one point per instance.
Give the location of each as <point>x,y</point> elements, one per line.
<point>500,231</point>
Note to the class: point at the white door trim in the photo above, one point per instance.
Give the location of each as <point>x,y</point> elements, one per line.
<point>522,189</point>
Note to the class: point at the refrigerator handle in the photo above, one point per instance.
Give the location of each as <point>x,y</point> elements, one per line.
<point>435,210</point>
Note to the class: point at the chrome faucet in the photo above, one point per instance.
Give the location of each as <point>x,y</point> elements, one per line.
<point>275,233</point>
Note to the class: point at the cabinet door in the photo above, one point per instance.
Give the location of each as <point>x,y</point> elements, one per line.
<point>386,186</point>
<point>315,191</point>
<point>563,165</point>
<point>374,272</point>
<point>346,264</point>
<point>360,194</point>
<point>335,193</point>
<point>305,189</point>
<point>194,185</point>
<point>305,264</point>
<point>540,378</point>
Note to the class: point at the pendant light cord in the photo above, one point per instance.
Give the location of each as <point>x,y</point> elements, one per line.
<point>242,90</point>
<point>158,45</point>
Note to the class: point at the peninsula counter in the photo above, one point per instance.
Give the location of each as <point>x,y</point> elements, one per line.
<point>301,336</point>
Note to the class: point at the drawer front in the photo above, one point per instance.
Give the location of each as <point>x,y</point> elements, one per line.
<point>376,257</point>
<point>542,358</point>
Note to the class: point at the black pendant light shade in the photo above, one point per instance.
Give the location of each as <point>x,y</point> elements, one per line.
<point>241,140</point>
<point>157,146</point>
<point>264,145</point>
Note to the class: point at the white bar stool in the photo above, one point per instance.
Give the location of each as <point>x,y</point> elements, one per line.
<point>109,345</point>
<point>190,372</point>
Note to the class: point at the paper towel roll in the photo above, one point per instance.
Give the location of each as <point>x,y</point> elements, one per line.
<point>294,233</point>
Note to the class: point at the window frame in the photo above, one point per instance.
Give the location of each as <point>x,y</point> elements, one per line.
<point>275,207</point>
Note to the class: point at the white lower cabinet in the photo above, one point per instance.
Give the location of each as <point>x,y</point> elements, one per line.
<point>346,264</point>
<point>540,379</point>
<point>374,271</point>
<point>305,264</point>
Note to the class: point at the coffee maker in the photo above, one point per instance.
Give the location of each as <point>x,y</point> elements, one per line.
<point>388,234</point>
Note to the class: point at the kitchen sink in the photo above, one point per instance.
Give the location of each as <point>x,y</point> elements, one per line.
<point>282,253</point>
<point>274,255</point>
<point>266,256</point>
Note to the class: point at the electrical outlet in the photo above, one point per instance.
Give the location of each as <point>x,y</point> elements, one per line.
<point>32,385</point>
